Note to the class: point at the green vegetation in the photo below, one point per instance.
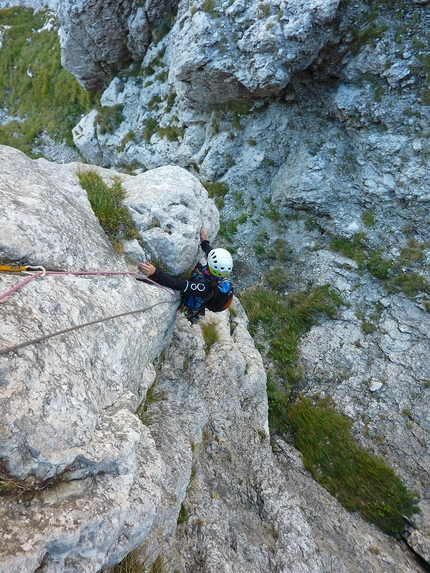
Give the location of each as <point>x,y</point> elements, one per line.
<point>170,132</point>
<point>360,481</point>
<point>133,564</point>
<point>130,136</point>
<point>367,327</point>
<point>106,202</point>
<point>228,229</point>
<point>183,515</point>
<point>412,253</point>
<point>353,249</point>
<point>217,190</point>
<point>160,28</point>
<point>285,320</point>
<point>393,273</point>
<point>368,217</point>
<point>276,278</point>
<point>109,118</point>
<point>210,335</point>
<point>209,7</point>
<point>33,85</point>
<point>153,395</point>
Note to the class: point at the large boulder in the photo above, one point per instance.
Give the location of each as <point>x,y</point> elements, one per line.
<point>247,50</point>
<point>81,470</point>
<point>168,207</point>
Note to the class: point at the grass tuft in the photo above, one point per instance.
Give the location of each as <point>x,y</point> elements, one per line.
<point>358,479</point>
<point>106,202</point>
<point>210,335</point>
<point>153,396</point>
<point>217,190</point>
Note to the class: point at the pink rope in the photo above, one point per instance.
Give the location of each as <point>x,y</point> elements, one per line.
<point>19,285</point>
<point>40,273</point>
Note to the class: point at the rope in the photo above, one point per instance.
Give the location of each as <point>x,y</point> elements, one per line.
<point>43,272</point>
<point>77,327</point>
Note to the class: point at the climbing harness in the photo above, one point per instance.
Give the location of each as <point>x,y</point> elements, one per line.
<point>41,272</point>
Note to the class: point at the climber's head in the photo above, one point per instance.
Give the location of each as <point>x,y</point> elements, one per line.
<point>220,263</point>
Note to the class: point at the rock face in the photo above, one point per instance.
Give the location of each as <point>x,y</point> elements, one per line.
<point>97,38</point>
<point>315,118</point>
<point>71,442</point>
<point>244,508</point>
<point>36,4</point>
<point>170,215</point>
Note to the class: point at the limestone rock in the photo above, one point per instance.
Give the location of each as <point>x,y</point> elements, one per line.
<point>247,50</point>
<point>169,207</point>
<point>98,37</point>
<point>36,4</point>
<point>241,507</point>
<point>71,442</point>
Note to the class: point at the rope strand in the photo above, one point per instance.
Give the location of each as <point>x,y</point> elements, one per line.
<point>77,327</point>
<point>43,272</point>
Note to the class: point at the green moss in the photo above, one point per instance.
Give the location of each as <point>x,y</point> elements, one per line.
<point>33,85</point>
<point>359,480</point>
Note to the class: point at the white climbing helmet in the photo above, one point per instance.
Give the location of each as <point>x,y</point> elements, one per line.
<point>220,262</point>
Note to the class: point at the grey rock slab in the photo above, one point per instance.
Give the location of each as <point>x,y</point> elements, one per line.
<point>248,508</point>
<point>86,477</point>
<point>169,207</point>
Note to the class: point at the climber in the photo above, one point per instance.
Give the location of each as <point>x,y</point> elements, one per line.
<point>208,287</point>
